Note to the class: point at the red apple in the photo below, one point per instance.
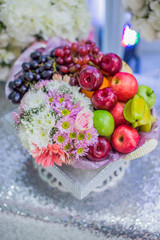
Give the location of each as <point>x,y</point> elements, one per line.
<point>104,99</point>
<point>125,139</point>
<point>117,113</point>
<point>111,64</point>
<point>125,85</point>
<point>100,150</point>
<point>90,78</point>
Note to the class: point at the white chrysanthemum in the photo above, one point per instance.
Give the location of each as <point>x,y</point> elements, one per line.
<point>85,101</point>
<point>44,119</point>
<point>41,137</point>
<point>33,99</point>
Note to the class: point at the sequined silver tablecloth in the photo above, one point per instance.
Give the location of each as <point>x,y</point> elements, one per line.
<point>129,210</point>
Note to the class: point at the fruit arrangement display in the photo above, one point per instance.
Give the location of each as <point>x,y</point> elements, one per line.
<point>79,105</point>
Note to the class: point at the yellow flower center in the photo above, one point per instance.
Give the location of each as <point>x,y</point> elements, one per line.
<point>61,100</point>
<point>72,135</point>
<point>50,99</point>
<point>66,147</point>
<point>65,112</point>
<point>79,150</point>
<point>80,136</point>
<point>65,125</point>
<point>60,139</point>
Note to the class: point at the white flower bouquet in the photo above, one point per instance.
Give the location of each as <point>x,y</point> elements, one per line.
<point>145,17</point>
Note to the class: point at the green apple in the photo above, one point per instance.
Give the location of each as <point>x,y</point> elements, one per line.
<point>148,94</point>
<point>103,122</point>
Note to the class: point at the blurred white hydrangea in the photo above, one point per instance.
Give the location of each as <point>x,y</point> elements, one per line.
<point>22,21</point>
<point>6,56</point>
<point>145,17</point>
<point>25,19</point>
<point>4,72</point>
<point>4,39</point>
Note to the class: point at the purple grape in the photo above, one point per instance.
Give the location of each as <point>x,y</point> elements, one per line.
<point>35,55</point>
<point>29,77</point>
<point>23,89</point>
<point>16,98</point>
<point>34,64</point>
<point>26,66</point>
<point>47,65</point>
<point>37,77</point>
<point>42,59</point>
<point>18,82</point>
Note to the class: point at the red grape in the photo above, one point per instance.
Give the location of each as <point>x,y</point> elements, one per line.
<point>64,69</point>
<point>75,60</point>
<point>66,47</point>
<point>78,67</point>
<point>74,47</point>
<point>67,52</point>
<point>72,69</point>
<point>73,81</point>
<point>96,61</point>
<point>68,59</point>
<point>88,42</point>
<point>80,60</point>
<point>58,52</point>
<point>88,47</point>
<point>86,59</point>
<point>82,51</point>
<point>60,60</point>
<point>95,50</point>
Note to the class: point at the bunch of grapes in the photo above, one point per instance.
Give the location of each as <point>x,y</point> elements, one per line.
<point>63,60</point>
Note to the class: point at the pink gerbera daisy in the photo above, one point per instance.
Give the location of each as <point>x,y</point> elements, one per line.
<point>49,155</point>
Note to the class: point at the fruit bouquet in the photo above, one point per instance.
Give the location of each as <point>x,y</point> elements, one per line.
<point>78,106</point>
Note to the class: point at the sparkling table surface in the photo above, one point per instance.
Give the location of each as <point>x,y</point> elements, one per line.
<point>129,210</point>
